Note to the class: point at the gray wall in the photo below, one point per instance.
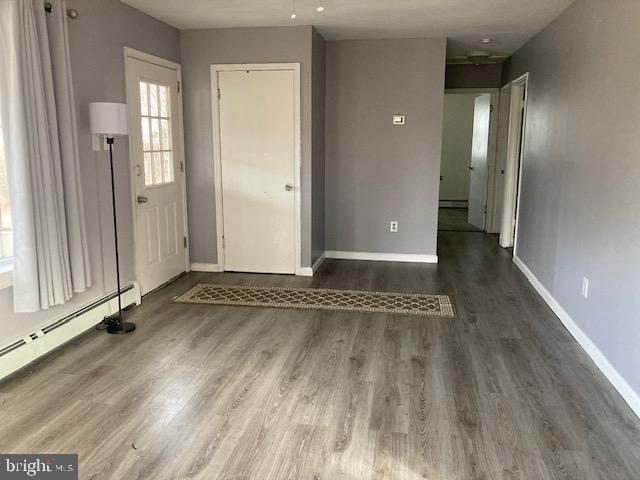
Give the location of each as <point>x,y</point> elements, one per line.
<point>377,172</point>
<point>580,196</point>
<point>472,76</point>
<point>318,75</point>
<point>97,38</point>
<point>201,49</point>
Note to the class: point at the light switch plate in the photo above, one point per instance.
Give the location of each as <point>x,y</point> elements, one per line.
<point>398,119</point>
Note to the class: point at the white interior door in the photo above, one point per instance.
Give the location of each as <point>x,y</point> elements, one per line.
<point>257,153</point>
<point>479,161</point>
<point>156,160</point>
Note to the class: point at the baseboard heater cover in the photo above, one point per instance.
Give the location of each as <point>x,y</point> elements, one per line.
<point>20,353</point>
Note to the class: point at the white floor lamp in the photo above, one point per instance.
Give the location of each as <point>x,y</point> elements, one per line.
<point>110,120</point>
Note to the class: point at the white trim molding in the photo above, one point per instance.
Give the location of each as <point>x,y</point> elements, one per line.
<point>383,257</point>
<point>304,272</point>
<point>318,263</point>
<point>206,267</point>
<point>515,161</point>
<point>619,383</point>
<point>310,271</point>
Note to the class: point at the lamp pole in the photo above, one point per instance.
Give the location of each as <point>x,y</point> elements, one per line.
<point>117,325</point>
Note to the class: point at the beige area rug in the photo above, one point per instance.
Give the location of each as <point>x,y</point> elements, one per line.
<point>320,299</point>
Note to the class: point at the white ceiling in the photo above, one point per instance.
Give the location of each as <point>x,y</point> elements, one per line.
<point>509,22</point>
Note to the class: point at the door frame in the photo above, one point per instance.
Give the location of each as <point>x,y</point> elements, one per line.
<point>515,161</point>
<point>492,149</point>
<point>217,153</point>
<point>161,62</point>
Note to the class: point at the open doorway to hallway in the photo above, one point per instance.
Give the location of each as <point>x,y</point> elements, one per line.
<point>467,175</point>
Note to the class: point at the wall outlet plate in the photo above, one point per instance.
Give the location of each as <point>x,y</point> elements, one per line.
<point>398,119</point>
<point>393,226</point>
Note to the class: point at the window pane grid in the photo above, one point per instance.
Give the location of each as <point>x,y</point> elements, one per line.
<point>156,133</point>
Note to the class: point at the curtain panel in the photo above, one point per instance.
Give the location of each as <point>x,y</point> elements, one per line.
<point>51,259</point>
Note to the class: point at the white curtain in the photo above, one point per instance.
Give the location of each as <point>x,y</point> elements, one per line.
<point>50,247</point>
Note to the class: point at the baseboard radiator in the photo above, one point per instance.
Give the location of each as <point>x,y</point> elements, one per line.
<point>21,352</point>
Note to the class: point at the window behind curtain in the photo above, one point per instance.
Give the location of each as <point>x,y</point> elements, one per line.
<point>6,230</point>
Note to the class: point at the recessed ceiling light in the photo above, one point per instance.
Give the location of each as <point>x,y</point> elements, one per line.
<point>320,9</point>
<point>487,41</point>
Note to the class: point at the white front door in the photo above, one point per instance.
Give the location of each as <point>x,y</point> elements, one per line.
<point>257,154</point>
<point>479,161</point>
<point>156,161</point>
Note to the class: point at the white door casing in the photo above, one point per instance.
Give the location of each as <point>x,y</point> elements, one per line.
<point>479,162</point>
<point>157,169</point>
<point>515,151</point>
<point>257,138</point>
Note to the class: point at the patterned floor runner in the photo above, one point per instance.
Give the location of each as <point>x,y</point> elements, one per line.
<point>320,299</point>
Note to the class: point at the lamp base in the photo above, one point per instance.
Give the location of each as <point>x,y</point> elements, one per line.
<point>116,327</point>
<point>126,327</point>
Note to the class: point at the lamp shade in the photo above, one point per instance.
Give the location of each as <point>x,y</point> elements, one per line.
<point>108,118</point>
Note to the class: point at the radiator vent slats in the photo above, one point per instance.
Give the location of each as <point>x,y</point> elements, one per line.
<point>12,347</point>
<point>58,323</point>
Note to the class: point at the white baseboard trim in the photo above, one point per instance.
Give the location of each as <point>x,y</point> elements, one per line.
<point>304,272</point>
<point>619,383</point>
<point>310,271</point>
<point>382,257</point>
<point>58,331</point>
<point>206,267</point>
<point>319,262</point>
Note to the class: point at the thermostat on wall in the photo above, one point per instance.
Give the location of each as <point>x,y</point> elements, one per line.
<point>398,119</point>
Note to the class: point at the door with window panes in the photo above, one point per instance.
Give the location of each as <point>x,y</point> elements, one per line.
<point>157,163</point>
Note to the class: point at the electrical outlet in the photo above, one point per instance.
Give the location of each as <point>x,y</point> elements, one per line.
<point>393,227</point>
<point>585,287</point>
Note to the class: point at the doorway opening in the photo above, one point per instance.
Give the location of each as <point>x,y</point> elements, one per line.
<point>256,120</point>
<point>157,169</point>
<point>468,169</point>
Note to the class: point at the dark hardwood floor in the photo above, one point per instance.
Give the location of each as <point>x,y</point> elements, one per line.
<point>455,219</point>
<point>198,391</point>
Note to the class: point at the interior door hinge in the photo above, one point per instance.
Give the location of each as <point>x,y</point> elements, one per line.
<point>218,94</point>
<point>182,166</point>
<point>485,209</point>
<point>178,87</point>
<point>185,242</point>
<point>491,108</point>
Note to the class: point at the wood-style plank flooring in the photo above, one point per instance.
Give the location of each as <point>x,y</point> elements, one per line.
<point>455,219</point>
<point>206,392</point>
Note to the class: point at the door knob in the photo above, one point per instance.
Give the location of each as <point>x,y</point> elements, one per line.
<point>470,167</point>
<point>288,187</point>
<point>142,199</point>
